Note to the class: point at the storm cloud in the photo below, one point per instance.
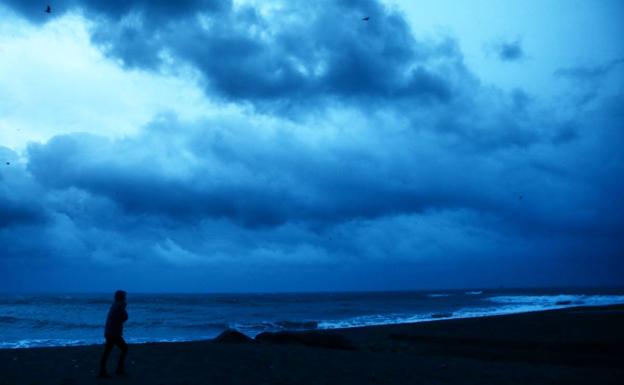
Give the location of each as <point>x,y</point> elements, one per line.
<point>589,73</point>
<point>345,149</point>
<point>300,55</point>
<point>510,51</point>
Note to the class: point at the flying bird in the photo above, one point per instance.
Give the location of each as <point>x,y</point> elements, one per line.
<point>8,163</point>
<point>366,18</point>
<point>48,9</point>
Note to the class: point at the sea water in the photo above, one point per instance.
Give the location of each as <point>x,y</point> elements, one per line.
<point>78,319</point>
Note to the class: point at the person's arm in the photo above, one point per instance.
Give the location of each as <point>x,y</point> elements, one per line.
<point>119,314</point>
<point>124,313</point>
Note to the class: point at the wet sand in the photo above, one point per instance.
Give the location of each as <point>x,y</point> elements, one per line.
<point>570,346</point>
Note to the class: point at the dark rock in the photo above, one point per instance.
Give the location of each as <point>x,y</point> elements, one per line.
<point>316,339</point>
<point>231,336</point>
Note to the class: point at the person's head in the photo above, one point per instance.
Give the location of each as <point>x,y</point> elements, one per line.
<point>120,296</point>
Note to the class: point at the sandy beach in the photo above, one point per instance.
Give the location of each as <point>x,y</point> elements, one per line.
<point>569,346</point>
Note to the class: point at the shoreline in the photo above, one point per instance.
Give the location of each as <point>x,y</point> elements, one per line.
<point>576,345</point>
<point>432,319</point>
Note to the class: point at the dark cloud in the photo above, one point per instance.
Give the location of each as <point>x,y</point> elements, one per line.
<point>18,196</point>
<point>592,82</point>
<point>510,51</point>
<point>149,12</point>
<point>236,198</point>
<point>189,172</point>
<point>262,187</point>
<point>305,54</point>
<point>241,176</point>
<point>591,73</point>
<point>16,213</point>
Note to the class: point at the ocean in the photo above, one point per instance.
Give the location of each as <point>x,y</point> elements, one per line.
<point>77,319</point>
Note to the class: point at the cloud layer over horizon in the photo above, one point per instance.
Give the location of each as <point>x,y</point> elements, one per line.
<point>342,154</point>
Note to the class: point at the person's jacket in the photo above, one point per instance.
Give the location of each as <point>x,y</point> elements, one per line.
<point>117,315</point>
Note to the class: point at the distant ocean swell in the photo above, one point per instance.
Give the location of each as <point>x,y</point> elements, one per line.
<point>44,324</point>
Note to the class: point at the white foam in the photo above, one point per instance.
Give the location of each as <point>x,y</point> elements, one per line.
<point>512,305</point>
<point>39,342</point>
<point>370,320</point>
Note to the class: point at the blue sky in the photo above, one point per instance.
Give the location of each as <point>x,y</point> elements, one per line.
<point>283,146</point>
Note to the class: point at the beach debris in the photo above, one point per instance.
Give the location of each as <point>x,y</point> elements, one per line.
<point>366,18</point>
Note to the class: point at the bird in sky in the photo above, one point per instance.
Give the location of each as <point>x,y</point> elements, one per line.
<point>366,18</point>
<point>48,9</point>
<point>8,163</point>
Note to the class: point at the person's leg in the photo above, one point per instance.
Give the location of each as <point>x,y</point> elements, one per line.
<point>108,347</point>
<point>121,368</point>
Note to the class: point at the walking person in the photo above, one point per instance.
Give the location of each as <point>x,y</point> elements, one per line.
<point>113,333</point>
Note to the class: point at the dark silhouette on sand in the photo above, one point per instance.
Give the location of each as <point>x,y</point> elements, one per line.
<point>48,9</point>
<point>113,333</point>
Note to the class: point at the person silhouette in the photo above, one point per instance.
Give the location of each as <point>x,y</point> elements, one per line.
<point>113,333</point>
